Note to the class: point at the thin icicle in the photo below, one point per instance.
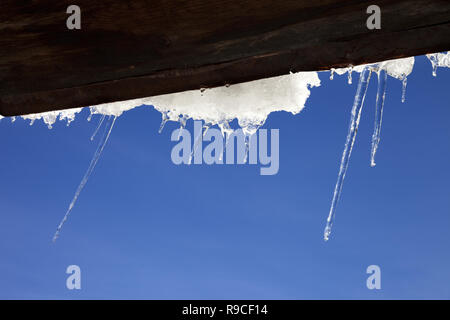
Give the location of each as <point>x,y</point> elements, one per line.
<point>98,127</point>
<point>101,145</point>
<point>198,140</point>
<point>332,74</point>
<point>434,63</point>
<point>404,82</point>
<point>350,71</point>
<point>352,130</point>
<point>182,119</point>
<point>164,119</point>
<point>381,94</point>
<point>226,131</point>
<point>249,131</point>
<point>439,59</point>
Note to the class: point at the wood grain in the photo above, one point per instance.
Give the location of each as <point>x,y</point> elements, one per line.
<point>140,48</point>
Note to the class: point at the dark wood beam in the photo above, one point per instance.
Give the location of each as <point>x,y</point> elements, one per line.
<point>140,48</point>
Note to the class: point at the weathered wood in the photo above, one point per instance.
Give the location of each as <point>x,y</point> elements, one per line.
<point>139,48</point>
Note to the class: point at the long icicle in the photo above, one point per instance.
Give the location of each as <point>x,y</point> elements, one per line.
<point>101,145</point>
<point>98,127</point>
<point>404,82</point>
<point>381,95</point>
<point>352,130</point>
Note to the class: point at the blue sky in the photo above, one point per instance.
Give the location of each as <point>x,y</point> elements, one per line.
<point>144,228</point>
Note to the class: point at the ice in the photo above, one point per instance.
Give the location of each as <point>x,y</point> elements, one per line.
<point>404,82</point>
<point>332,74</point>
<point>353,129</point>
<point>379,104</point>
<point>101,145</point>
<point>50,117</point>
<point>439,60</point>
<point>164,119</point>
<point>398,68</point>
<point>350,72</point>
<point>98,127</point>
<point>199,133</point>
<point>251,103</point>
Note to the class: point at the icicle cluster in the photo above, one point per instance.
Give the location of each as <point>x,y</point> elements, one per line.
<point>251,103</point>
<point>50,117</point>
<point>399,69</point>
<point>353,128</point>
<point>439,60</point>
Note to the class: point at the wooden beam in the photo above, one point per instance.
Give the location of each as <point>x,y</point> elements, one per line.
<point>140,48</point>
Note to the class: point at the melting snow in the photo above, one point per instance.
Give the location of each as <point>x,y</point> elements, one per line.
<point>251,103</point>
<point>439,60</point>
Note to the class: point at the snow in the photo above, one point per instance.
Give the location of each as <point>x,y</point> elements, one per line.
<point>251,103</point>
<point>398,68</point>
<point>439,60</point>
<point>50,117</point>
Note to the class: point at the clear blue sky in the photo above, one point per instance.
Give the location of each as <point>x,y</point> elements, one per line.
<point>146,228</point>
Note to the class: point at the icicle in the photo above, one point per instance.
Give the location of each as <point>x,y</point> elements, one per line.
<point>350,70</point>
<point>434,63</point>
<point>182,119</point>
<point>249,130</point>
<point>164,119</point>
<point>381,94</point>
<point>353,128</point>
<point>101,145</point>
<point>247,146</point>
<point>13,119</point>
<point>439,60</point>
<point>206,127</point>
<point>226,130</point>
<point>332,74</point>
<point>31,122</point>
<point>89,117</point>
<point>98,127</point>
<point>198,140</point>
<point>404,82</point>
